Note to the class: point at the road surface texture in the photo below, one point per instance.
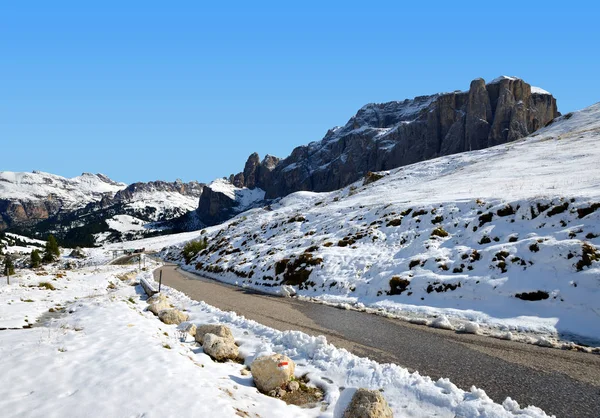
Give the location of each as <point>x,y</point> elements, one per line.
<point>563,383</point>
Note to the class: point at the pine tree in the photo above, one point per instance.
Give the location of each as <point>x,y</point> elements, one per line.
<point>52,252</point>
<point>36,259</point>
<point>9,266</point>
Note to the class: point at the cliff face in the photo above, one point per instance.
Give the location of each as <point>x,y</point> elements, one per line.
<point>222,200</point>
<point>390,135</point>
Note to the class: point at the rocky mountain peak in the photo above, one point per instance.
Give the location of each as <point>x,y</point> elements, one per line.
<point>382,136</point>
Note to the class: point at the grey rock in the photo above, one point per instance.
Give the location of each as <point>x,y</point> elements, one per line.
<point>77,253</point>
<point>215,207</point>
<point>238,180</point>
<point>250,170</point>
<point>293,386</point>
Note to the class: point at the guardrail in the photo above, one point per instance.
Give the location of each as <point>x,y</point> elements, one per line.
<point>148,288</point>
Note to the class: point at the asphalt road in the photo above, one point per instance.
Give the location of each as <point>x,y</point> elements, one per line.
<point>563,383</point>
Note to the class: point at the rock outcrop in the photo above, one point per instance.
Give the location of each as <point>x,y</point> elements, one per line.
<point>215,207</point>
<point>390,135</point>
<point>221,200</point>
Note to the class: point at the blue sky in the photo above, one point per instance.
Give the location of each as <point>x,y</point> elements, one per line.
<point>146,90</point>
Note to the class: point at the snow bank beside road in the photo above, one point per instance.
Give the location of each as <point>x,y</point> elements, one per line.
<point>102,354</point>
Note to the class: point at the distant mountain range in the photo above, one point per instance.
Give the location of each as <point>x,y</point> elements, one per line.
<point>91,208</point>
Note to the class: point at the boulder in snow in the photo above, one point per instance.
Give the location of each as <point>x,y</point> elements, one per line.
<point>158,302</point>
<point>172,316</point>
<point>219,348</point>
<point>364,403</point>
<point>272,371</point>
<point>216,329</point>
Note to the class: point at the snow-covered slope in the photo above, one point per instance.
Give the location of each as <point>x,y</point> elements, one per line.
<point>17,244</point>
<point>505,238</point>
<point>74,193</point>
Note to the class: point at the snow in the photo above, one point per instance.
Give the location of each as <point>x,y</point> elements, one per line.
<point>125,223</point>
<point>363,236</point>
<point>243,196</point>
<point>105,355</point>
<point>225,187</point>
<point>534,90</point>
<point>163,201</point>
<point>9,244</point>
<point>537,90</point>
<point>502,78</point>
<point>32,241</point>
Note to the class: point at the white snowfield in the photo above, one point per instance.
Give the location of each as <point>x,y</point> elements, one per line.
<point>75,192</point>
<point>101,354</point>
<point>501,241</point>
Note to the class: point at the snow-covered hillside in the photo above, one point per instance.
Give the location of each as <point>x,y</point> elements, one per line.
<point>17,244</point>
<point>505,238</point>
<point>73,193</point>
<point>83,210</point>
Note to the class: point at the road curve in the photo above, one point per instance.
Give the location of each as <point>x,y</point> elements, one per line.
<point>563,383</point>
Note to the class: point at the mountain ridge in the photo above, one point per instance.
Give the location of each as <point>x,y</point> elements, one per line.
<point>79,210</point>
<point>383,136</point>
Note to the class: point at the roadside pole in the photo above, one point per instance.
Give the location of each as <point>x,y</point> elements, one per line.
<point>159,280</point>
